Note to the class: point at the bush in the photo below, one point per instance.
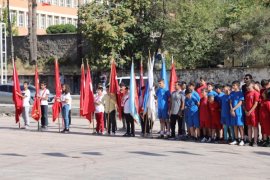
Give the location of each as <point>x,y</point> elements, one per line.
<point>61,28</point>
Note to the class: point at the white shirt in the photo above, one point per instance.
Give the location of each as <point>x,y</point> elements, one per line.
<point>43,94</point>
<point>126,104</point>
<point>99,108</point>
<point>26,100</point>
<point>65,97</point>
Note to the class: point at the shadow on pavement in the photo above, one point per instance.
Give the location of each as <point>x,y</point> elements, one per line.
<point>185,152</point>
<point>12,154</point>
<point>55,154</point>
<point>224,152</point>
<point>146,153</point>
<point>262,153</point>
<point>93,153</point>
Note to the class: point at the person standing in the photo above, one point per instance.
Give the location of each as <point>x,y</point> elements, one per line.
<point>99,111</point>
<point>43,95</point>
<point>202,86</point>
<point>26,95</point>
<point>65,100</point>
<point>128,117</point>
<point>163,97</point>
<point>122,94</point>
<point>110,106</point>
<point>176,112</point>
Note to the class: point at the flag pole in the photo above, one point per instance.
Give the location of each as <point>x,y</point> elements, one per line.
<point>94,123</point>
<point>108,93</point>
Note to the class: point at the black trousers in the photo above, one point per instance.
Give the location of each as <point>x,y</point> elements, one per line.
<point>146,124</point>
<point>112,121</point>
<point>130,124</point>
<point>179,120</point>
<point>44,115</point>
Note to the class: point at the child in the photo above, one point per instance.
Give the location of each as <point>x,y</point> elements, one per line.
<point>26,95</point>
<point>210,87</point>
<point>225,114</point>
<point>205,123</point>
<point>236,110</point>
<point>251,111</point>
<point>265,117</point>
<point>99,111</point>
<point>65,100</point>
<point>192,113</point>
<point>43,95</point>
<point>219,91</point>
<point>214,110</point>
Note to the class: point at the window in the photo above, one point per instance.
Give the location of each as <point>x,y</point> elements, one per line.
<point>69,21</point>
<point>26,20</point>
<point>56,20</point>
<point>42,21</point>
<point>62,2</point>
<point>21,18</point>
<point>63,20</point>
<point>13,17</point>
<point>75,22</point>
<point>38,20</point>
<point>50,21</point>
<point>75,3</point>
<point>68,3</point>
<point>55,2</point>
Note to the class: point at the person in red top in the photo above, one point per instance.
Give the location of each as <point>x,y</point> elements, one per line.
<point>205,123</point>
<point>252,98</point>
<point>214,110</point>
<point>265,116</point>
<point>202,86</point>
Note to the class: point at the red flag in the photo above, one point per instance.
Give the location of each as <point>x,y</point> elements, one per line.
<point>82,90</point>
<point>173,78</point>
<point>57,105</point>
<point>115,89</point>
<point>89,106</point>
<point>17,99</point>
<point>36,110</point>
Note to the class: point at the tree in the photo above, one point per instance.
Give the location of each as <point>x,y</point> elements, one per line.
<point>61,28</point>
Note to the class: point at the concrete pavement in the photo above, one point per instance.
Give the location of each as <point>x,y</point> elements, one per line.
<point>28,154</point>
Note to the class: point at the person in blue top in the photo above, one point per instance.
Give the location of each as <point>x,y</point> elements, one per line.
<point>219,89</point>
<point>225,113</point>
<point>236,109</point>
<point>163,98</point>
<point>211,92</point>
<point>192,114</point>
<point>196,95</point>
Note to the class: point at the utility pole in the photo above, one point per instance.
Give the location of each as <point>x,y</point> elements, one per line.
<point>30,27</point>
<point>32,31</point>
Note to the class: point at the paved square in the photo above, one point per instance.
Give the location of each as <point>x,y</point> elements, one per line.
<point>28,154</point>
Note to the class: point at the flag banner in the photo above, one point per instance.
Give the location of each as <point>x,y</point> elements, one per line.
<point>82,87</point>
<point>173,78</point>
<point>16,91</point>
<point>133,96</point>
<point>115,89</point>
<point>36,110</point>
<point>56,108</point>
<point>163,74</point>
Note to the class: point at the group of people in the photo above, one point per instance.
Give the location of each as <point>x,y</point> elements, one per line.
<point>237,114</point>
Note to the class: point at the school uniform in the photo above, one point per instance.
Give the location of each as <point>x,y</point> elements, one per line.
<point>205,121</point>
<point>26,106</point>
<point>128,117</point>
<point>251,98</point>
<point>44,107</point>
<point>99,114</point>
<point>225,110</point>
<point>192,112</point>
<point>265,117</point>
<point>177,100</point>
<point>163,96</point>
<point>214,109</point>
<point>199,90</point>
<point>235,98</point>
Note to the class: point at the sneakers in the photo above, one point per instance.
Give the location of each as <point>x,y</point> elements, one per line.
<point>234,143</point>
<point>65,131</point>
<point>241,143</point>
<point>254,145</point>
<point>204,140</point>
<point>209,140</point>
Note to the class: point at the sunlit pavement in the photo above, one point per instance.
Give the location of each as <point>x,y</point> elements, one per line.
<point>29,154</point>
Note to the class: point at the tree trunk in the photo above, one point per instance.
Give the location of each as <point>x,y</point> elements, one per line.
<point>79,36</point>
<point>10,32</point>
<point>34,31</point>
<point>30,38</point>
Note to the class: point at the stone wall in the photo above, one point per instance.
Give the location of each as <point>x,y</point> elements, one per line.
<point>60,46</point>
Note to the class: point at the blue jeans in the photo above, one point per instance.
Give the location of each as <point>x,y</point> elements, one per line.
<point>65,112</point>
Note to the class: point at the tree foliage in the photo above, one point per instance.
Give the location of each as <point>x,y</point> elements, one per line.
<point>61,28</point>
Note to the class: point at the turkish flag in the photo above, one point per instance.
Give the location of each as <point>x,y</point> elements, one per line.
<point>45,4</point>
<point>57,104</point>
<point>18,102</point>
<point>36,110</point>
<point>114,88</point>
<point>89,106</point>
<point>82,90</point>
<point>173,78</point>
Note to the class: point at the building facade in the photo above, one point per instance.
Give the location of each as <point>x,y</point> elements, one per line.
<point>49,12</point>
